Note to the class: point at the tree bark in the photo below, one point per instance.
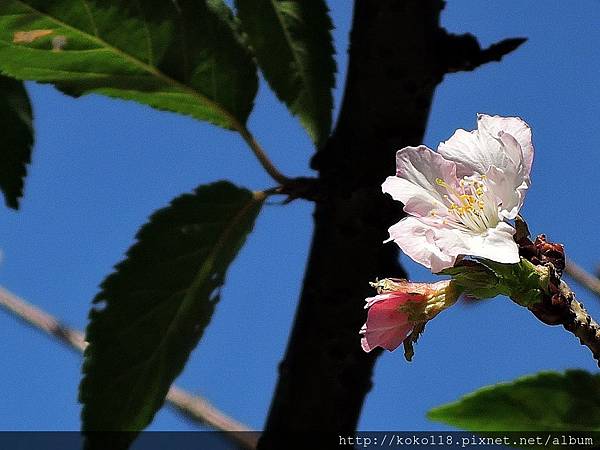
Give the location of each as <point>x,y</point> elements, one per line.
<point>398,54</point>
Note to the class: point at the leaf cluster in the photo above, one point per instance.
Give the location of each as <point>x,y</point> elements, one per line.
<point>192,57</point>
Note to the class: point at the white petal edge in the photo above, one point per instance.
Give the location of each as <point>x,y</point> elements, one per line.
<point>417,240</point>
<point>438,248</point>
<point>417,200</point>
<point>510,190</point>
<point>496,244</point>
<point>503,142</point>
<point>517,128</point>
<point>464,148</point>
<point>418,170</point>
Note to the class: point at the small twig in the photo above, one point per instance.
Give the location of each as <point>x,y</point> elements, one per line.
<point>207,414</point>
<point>261,155</point>
<point>193,407</point>
<point>582,277</point>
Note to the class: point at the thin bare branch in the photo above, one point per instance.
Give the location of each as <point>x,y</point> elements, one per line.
<point>261,155</point>
<point>192,407</point>
<point>582,277</point>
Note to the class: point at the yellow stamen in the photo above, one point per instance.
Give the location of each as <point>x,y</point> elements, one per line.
<point>468,203</point>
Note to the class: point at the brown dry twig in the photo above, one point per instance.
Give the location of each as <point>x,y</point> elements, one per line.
<point>582,277</point>
<point>191,406</point>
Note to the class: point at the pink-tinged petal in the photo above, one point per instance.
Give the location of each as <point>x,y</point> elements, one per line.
<point>502,150</point>
<point>496,243</point>
<point>517,128</point>
<point>370,301</point>
<point>420,176</point>
<point>417,239</point>
<point>389,318</point>
<point>451,218</point>
<point>393,287</point>
<point>417,201</point>
<point>387,326</point>
<point>393,314</point>
<point>437,247</point>
<point>389,339</point>
<point>502,142</point>
<point>511,181</point>
<point>510,189</point>
<point>465,150</point>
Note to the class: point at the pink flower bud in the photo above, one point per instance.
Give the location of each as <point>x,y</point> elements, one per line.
<point>401,305</point>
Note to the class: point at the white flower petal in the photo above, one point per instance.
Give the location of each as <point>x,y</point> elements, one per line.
<point>501,149</point>
<point>502,142</point>
<point>437,247</point>
<point>417,200</point>
<point>514,126</point>
<point>419,171</point>
<point>465,150</point>
<point>452,218</point>
<point>417,239</point>
<point>510,189</point>
<point>496,244</point>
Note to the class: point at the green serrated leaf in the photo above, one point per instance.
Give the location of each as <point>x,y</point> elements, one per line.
<point>293,45</point>
<point>157,304</point>
<point>547,401</point>
<point>16,129</point>
<point>183,56</point>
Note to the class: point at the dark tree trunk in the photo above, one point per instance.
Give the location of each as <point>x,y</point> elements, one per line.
<point>398,55</point>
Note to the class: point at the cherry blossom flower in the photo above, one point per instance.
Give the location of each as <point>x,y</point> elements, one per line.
<point>399,306</point>
<point>459,199</point>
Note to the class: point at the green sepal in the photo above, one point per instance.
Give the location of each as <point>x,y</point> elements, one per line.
<point>523,282</point>
<point>476,280</point>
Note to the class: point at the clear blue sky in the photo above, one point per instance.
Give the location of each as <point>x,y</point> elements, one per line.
<point>101,166</point>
